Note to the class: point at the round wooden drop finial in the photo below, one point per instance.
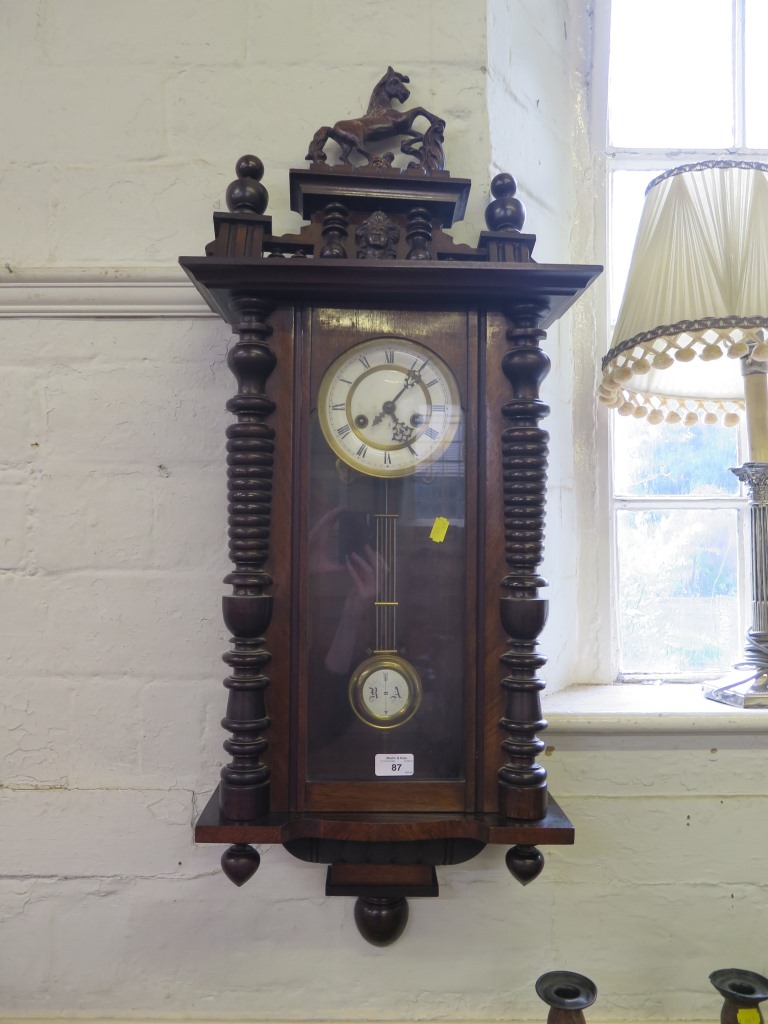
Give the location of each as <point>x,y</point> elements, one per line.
<point>504,213</point>
<point>381,920</point>
<point>247,194</point>
<point>240,862</point>
<point>525,863</point>
<point>567,995</point>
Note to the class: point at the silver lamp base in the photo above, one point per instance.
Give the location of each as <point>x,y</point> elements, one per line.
<point>745,688</point>
<point>747,685</point>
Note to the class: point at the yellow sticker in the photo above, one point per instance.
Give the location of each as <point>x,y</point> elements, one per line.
<point>748,1016</point>
<point>439,530</point>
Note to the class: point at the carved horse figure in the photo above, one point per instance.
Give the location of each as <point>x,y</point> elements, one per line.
<point>379,122</point>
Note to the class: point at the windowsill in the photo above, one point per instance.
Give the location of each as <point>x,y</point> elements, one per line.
<point>653,708</point>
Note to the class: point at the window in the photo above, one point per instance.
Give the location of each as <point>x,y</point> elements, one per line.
<point>684,84</point>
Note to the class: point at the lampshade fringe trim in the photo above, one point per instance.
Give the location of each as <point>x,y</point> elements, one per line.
<point>695,329</point>
<point>666,409</point>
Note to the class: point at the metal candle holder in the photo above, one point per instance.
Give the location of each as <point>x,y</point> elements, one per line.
<point>567,994</point>
<point>741,990</point>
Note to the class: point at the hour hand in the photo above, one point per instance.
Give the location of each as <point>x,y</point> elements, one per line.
<point>401,431</point>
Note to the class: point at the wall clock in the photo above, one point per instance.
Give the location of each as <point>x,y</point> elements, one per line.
<point>387,481</point>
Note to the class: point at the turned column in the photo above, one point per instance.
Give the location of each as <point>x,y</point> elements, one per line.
<point>335,230</point>
<point>244,788</point>
<point>522,782</point>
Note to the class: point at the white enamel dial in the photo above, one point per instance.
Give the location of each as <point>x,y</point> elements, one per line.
<point>387,406</point>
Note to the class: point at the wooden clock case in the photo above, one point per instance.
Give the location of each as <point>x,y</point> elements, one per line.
<point>375,253</point>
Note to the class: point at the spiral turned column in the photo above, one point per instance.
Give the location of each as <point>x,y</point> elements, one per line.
<point>522,782</point>
<point>244,789</point>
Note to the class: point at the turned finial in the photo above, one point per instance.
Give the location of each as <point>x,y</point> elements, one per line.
<point>246,194</point>
<point>504,213</point>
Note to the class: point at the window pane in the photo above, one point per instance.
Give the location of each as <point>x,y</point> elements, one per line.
<point>756,34</point>
<point>678,587</point>
<point>670,459</point>
<point>670,74</point>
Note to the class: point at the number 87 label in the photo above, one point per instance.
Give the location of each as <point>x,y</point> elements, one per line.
<point>394,766</point>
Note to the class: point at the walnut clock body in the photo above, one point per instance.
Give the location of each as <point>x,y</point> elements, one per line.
<point>387,479</point>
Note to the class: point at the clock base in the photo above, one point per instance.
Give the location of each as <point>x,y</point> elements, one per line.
<point>281,827</point>
<point>384,859</point>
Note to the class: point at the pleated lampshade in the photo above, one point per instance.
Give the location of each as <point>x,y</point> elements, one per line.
<point>696,300</point>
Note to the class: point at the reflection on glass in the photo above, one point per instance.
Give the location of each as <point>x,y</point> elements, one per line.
<point>670,459</point>
<point>678,587</point>
<point>670,74</point>
<point>755,35</point>
<point>380,581</point>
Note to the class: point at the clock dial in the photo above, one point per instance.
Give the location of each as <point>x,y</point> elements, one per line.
<point>387,406</point>
<point>385,691</point>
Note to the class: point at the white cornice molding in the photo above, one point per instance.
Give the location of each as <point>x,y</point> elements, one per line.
<point>86,293</point>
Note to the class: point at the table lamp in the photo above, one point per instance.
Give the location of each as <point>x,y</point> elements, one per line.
<point>690,344</point>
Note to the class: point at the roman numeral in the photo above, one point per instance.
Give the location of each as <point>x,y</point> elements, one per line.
<point>389,355</point>
<point>343,431</point>
<point>345,381</point>
<point>431,382</point>
<point>387,459</point>
<point>362,451</point>
<point>431,433</point>
<point>436,408</point>
<point>338,406</point>
<point>365,362</point>
<point>420,368</point>
<point>412,450</point>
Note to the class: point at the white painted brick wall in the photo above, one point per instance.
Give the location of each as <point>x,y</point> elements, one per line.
<point>120,139</point>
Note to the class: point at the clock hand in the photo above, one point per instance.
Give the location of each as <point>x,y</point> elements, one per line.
<point>388,409</point>
<point>401,431</point>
